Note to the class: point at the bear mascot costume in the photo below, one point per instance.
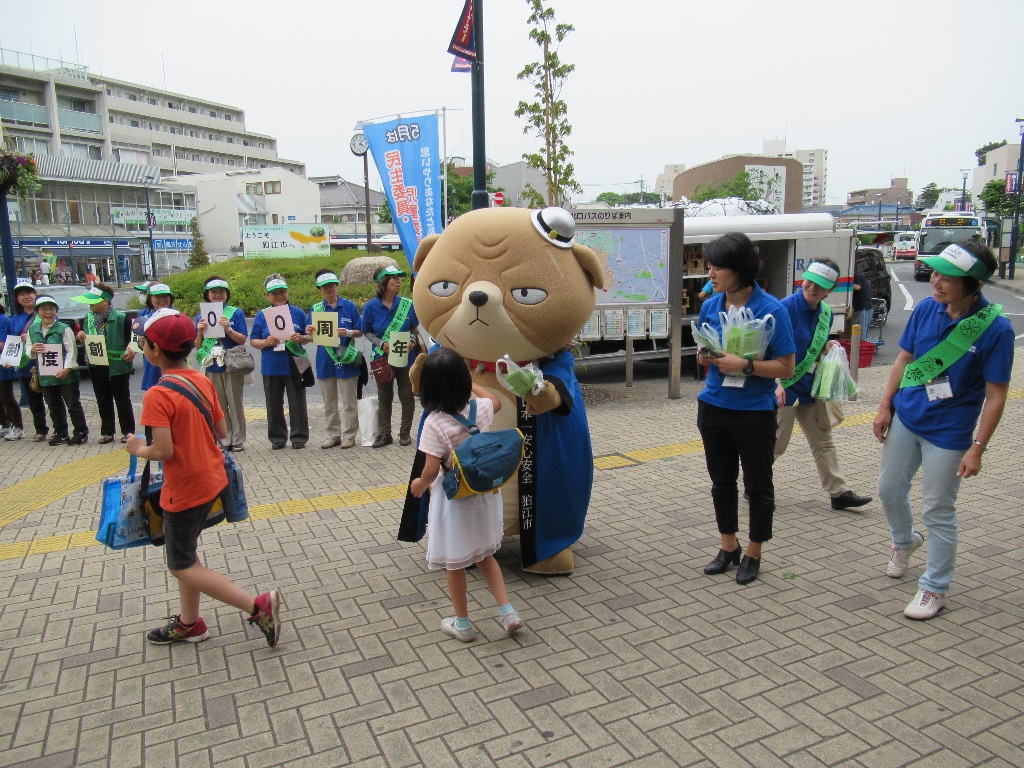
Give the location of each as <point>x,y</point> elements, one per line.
<point>512,281</point>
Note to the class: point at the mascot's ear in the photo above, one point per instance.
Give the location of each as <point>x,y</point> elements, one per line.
<point>586,257</point>
<point>421,253</point>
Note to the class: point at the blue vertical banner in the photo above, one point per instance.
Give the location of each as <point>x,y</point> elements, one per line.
<point>405,151</point>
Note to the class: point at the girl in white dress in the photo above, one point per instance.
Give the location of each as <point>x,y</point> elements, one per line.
<point>467,531</point>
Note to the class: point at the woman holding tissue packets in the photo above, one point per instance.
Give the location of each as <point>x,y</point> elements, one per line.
<point>736,412</point>
<point>276,368</point>
<point>229,386</point>
<point>337,368</point>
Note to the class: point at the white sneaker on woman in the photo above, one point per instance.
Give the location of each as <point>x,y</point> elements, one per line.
<point>899,562</point>
<point>14,434</point>
<point>925,605</point>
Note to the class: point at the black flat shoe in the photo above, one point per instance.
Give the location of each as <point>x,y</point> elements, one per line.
<point>722,561</point>
<point>747,572</point>
<point>849,500</point>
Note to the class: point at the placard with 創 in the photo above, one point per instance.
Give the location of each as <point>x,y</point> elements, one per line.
<point>96,350</point>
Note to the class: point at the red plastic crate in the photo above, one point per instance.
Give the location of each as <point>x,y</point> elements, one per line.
<point>867,352</point>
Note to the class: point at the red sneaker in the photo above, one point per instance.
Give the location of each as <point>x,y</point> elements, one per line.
<point>268,616</point>
<point>176,632</point>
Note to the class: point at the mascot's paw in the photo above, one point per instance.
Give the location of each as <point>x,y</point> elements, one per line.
<point>414,373</point>
<point>547,400</point>
<point>559,564</point>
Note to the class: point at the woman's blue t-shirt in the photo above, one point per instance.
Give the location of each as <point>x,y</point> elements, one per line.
<point>758,394</point>
<point>274,363</point>
<point>377,318</point>
<point>949,423</point>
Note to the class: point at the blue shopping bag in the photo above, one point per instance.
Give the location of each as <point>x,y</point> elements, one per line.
<point>123,519</point>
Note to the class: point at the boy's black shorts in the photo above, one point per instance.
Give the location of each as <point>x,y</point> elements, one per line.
<point>181,535</point>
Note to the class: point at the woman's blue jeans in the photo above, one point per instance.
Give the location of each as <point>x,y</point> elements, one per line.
<point>902,454</point>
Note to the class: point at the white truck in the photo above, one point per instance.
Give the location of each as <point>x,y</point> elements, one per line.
<point>655,270</point>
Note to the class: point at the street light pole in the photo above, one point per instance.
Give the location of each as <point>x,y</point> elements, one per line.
<point>149,223</point>
<point>1016,206</point>
<point>963,193</point>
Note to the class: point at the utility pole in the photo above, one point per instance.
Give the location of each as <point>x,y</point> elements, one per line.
<point>1016,207</point>
<point>480,198</point>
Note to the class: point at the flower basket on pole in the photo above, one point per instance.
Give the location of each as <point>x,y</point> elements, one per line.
<point>18,174</point>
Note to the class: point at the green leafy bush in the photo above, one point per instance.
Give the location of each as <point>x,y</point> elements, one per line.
<point>246,278</point>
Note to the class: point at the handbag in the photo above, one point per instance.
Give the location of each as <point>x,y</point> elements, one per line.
<point>232,499</point>
<point>304,378</point>
<point>33,381</point>
<point>383,372</point>
<point>152,513</point>
<point>239,360</point>
<point>122,522</point>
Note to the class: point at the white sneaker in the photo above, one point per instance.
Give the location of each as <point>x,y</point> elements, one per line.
<point>464,635</point>
<point>14,434</point>
<point>925,605</point>
<point>900,560</point>
<point>511,623</point>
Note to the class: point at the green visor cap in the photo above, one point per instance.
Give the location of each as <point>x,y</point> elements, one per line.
<point>94,296</point>
<point>159,289</point>
<point>955,261</point>
<point>276,285</point>
<point>326,278</point>
<point>821,275</point>
<point>388,272</point>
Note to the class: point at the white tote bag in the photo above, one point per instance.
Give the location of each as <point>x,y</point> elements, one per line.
<point>368,411</point>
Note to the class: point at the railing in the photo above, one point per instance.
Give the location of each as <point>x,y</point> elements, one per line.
<point>20,112</point>
<point>81,121</point>
<point>11,58</point>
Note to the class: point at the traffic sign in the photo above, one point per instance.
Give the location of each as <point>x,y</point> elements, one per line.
<point>499,199</point>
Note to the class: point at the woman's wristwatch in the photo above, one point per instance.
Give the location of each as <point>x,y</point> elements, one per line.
<point>748,369</point>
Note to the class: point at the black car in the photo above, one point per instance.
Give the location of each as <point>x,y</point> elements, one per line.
<point>871,262</point>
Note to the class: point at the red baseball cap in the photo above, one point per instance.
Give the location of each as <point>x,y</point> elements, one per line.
<point>169,329</point>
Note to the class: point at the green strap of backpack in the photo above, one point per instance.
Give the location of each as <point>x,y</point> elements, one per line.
<point>349,355</point>
<point>818,342</point>
<point>944,354</point>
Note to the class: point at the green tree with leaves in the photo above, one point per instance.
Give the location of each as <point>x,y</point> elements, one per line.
<point>997,202</point>
<point>740,185</point>
<point>929,195</point>
<point>198,256</point>
<point>981,152</point>
<point>546,118</point>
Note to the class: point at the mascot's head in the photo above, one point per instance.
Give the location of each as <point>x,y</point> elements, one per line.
<point>506,281</point>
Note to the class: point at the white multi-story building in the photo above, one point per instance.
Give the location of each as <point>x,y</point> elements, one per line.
<point>225,202</point>
<point>52,107</point>
<point>815,162</point>
<point>998,162</point>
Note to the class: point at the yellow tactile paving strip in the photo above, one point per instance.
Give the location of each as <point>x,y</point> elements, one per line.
<point>30,495</point>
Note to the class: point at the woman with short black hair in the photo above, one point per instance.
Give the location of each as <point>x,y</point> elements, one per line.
<point>736,409</point>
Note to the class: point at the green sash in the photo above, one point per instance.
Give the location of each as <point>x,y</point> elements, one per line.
<point>208,344</point>
<point>818,342</point>
<point>952,348</point>
<point>350,354</point>
<point>404,305</point>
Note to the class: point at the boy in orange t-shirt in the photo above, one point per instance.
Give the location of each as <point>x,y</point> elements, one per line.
<point>194,477</point>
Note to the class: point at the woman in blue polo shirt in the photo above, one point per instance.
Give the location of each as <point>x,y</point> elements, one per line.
<point>276,368</point>
<point>383,315</point>
<point>736,414</point>
<point>956,355</point>
<point>230,387</point>
<point>812,321</point>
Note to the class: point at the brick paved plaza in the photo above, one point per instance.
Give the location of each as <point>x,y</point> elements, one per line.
<point>636,659</point>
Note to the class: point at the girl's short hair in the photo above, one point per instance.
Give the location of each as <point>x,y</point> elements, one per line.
<point>149,301</point>
<point>445,382</point>
<point>206,292</point>
<point>737,252</point>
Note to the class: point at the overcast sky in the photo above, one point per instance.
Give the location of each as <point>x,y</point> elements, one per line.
<point>894,88</point>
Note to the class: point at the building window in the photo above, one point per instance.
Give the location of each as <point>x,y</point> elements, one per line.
<point>261,145</point>
<point>193,134</point>
<point>254,189</point>
<point>131,97</point>
<point>109,92</point>
<point>213,113</point>
<point>245,142</point>
<point>197,158</point>
<point>229,118</point>
<point>34,146</point>
<point>272,188</point>
<point>111,118</point>
<point>230,140</point>
<point>273,217</point>
<point>154,127</point>
<point>193,110</point>
<point>172,105</point>
<point>151,100</point>
<point>133,123</point>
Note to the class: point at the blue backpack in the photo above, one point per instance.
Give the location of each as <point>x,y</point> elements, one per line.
<point>484,462</point>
